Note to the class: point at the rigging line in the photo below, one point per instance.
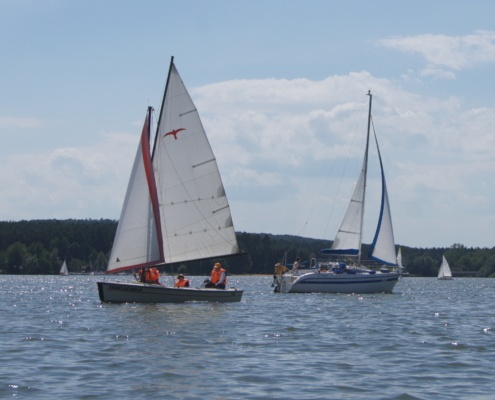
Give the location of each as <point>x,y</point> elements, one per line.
<point>351,146</point>
<point>315,202</point>
<point>320,194</point>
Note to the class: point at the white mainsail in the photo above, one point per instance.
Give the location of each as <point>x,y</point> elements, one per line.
<point>64,270</point>
<point>195,213</point>
<point>444,271</point>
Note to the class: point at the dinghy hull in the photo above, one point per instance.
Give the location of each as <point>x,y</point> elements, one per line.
<point>117,292</point>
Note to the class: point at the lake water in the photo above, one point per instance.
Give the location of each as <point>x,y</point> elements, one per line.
<point>430,339</point>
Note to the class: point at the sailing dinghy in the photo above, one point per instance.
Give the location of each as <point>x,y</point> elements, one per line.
<point>444,273</point>
<point>175,209</point>
<point>63,269</point>
<point>327,276</point>
<point>400,266</point>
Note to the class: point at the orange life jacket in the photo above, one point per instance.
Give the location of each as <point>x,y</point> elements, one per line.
<point>182,283</point>
<point>154,275</point>
<point>216,274</point>
<point>147,275</point>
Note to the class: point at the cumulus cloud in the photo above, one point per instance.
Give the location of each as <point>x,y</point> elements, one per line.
<point>298,144</point>
<point>447,54</point>
<point>68,182</point>
<point>289,152</point>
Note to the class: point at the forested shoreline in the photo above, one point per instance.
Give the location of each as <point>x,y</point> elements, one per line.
<point>40,247</point>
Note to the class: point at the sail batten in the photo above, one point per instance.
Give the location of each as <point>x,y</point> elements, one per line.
<point>187,112</point>
<point>203,163</point>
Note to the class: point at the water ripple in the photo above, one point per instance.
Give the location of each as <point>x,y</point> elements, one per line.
<point>59,341</point>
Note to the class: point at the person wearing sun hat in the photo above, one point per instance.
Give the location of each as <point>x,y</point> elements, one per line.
<point>280,269</point>
<point>218,278</point>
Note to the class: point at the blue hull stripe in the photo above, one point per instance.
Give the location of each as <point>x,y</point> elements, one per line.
<point>340,282</point>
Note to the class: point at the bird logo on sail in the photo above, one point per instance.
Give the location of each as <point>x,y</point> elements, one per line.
<point>174,132</point>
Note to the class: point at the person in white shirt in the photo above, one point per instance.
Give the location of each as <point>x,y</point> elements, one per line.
<point>296,265</point>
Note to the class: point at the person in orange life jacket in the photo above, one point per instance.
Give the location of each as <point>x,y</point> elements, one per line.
<point>154,275</point>
<point>218,278</point>
<point>142,275</point>
<point>148,275</point>
<point>181,282</point>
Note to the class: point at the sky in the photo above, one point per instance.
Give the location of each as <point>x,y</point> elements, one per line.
<point>281,87</point>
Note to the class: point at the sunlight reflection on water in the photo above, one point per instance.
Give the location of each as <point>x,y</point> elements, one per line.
<point>59,341</point>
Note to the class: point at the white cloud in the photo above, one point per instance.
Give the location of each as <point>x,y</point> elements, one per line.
<point>289,153</point>
<point>434,150</point>
<point>23,123</point>
<point>85,182</point>
<point>446,54</point>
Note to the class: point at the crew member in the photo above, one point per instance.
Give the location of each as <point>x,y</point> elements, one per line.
<point>218,278</point>
<point>181,281</point>
<point>280,269</point>
<point>296,265</point>
<point>154,276</point>
<point>148,275</point>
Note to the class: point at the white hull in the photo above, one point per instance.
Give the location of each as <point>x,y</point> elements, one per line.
<point>328,282</point>
<point>117,292</point>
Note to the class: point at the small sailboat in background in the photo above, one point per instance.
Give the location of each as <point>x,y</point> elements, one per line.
<point>64,270</point>
<point>444,273</point>
<point>175,209</point>
<point>336,276</point>
<point>400,266</point>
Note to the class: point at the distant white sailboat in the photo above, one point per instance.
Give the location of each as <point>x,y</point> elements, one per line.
<point>64,270</point>
<point>335,276</point>
<point>444,273</point>
<point>175,209</point>
<point>399,263</point>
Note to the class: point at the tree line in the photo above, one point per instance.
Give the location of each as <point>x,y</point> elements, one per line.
<point>40,247</point>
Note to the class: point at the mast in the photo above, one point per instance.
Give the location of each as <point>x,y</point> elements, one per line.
<point>161,108</point>
<point>365,169</point>
<point>153,196</point>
